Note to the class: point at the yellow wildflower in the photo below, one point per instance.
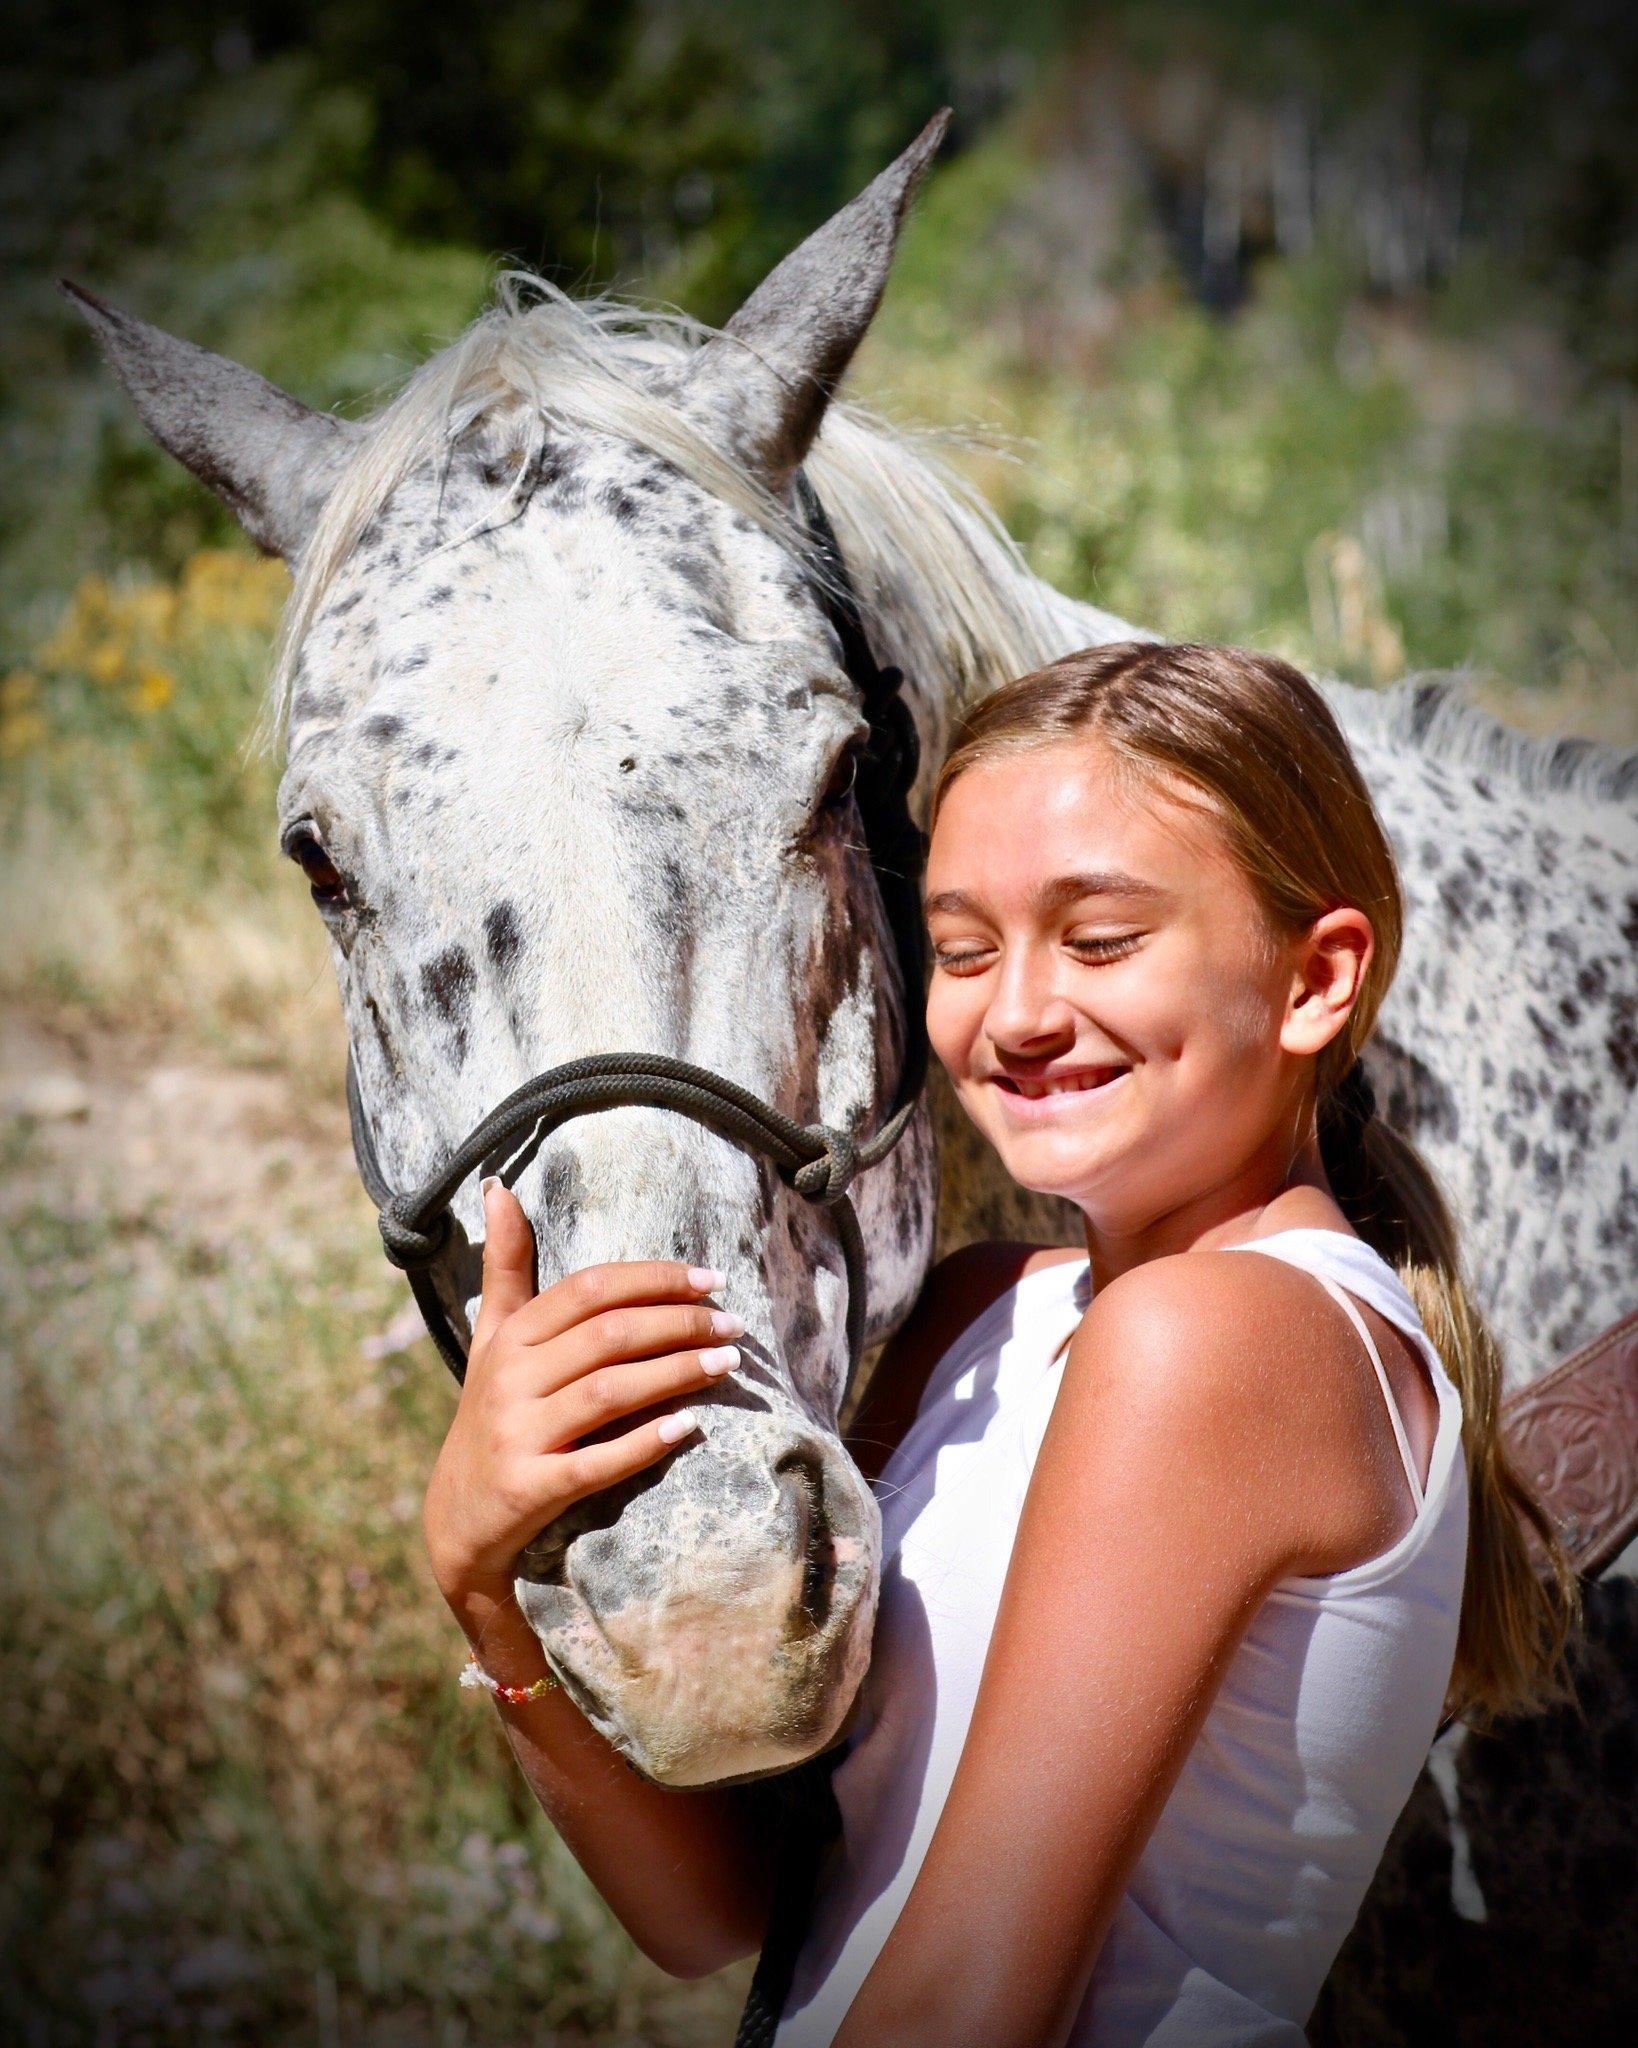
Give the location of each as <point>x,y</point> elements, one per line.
<point>154,687</point>
<point>19,732</point>
<point>19,689</point>
<point>106,661</point>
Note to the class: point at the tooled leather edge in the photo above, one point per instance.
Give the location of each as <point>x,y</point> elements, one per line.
<point>1574,1436</point>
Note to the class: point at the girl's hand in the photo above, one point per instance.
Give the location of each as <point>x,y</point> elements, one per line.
<point>548,1374</point>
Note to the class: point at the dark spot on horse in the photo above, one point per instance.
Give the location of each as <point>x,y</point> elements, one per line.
<point>695,570</point>
<point>1573,1114</point>
<point>562,1187</point>
<point>501,934</point>
<point>385,725</point>
<point>343,605</point>
<point>316,704</point>
<point>1456,898</point>
<point>1414,1099</point>
<point>417,658</point>
<point>442,594</point>
<point>1629,923</point>
<point>1623,1041</point>
<point>671,907</point>
<point>622,504</point>
<point>627,763</point>
<point>1548,1033</point>
<point>449,980</point>
<point>1591,981</point>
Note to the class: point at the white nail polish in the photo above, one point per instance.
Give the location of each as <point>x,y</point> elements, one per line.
<point>672,1429</point>
<point>724,1323</point>
<point>706,1278</point>
<point>490,1180</point>
<point>719,1359</point>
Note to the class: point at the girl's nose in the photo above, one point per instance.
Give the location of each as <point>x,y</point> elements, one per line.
<point>1028,1014</point>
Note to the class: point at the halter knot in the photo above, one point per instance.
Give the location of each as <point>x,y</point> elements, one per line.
<point>825,1180</point>
<point>408,1247</point>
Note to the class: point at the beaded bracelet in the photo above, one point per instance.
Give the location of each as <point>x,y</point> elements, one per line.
<point>476,1679</point>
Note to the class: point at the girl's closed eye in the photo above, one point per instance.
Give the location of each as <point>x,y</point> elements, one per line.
<point>958,956</point>
<point>1105,946</point>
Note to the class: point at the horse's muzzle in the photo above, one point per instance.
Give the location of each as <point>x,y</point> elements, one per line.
<point>717,1624</point>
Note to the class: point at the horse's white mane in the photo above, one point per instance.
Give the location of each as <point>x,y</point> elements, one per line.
<point>964,603</point>
<point>1431,715</point>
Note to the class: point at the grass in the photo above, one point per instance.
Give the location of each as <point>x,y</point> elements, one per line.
<point>245,1799</point>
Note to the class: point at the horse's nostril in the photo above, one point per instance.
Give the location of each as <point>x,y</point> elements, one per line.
<point>802,1480</point>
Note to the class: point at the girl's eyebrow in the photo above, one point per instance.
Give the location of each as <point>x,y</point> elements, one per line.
<point>1062,889</point>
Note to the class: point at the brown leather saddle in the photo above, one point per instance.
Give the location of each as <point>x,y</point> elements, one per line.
<point>1574,1436</point>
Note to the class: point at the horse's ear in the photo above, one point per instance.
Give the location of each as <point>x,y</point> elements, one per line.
<point>271,460</point>
<point>766,379</point>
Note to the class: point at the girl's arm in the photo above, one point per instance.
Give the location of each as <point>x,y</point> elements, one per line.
<point>1183,1473</point>
<point>687,1872</point>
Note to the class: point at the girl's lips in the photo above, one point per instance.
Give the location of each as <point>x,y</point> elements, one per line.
<point>1060,1096</point>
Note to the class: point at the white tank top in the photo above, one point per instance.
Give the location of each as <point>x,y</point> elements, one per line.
<point>1262,1854</point>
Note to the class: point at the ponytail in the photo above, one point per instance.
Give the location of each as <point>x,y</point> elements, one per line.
<point>1517,1614</point>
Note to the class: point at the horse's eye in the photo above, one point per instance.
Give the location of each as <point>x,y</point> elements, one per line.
<point>326,880</point>
<point>838,791</point>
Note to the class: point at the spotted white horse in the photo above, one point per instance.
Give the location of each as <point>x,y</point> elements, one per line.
<point>569,753</point>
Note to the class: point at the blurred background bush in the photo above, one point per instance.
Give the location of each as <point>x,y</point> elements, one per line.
<point>1311,326</point>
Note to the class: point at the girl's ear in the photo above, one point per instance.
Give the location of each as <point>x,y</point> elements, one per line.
<point>1329,974</point>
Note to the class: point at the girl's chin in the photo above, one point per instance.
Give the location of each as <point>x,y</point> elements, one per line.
<point>1052,1159</point>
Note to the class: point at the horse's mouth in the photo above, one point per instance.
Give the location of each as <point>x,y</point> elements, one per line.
<point>740,1660</point>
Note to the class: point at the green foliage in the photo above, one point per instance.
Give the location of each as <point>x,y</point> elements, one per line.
<point>1363,489</point>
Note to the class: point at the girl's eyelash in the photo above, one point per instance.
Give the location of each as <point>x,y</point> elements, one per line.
<point>1091,949</point>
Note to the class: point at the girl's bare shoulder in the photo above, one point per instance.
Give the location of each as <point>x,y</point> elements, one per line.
<point>1247,1365</point>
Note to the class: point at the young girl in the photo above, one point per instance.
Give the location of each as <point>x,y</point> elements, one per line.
<point>1189,1541</point>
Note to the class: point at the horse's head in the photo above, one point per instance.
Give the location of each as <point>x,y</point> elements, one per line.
<point>569,768</point>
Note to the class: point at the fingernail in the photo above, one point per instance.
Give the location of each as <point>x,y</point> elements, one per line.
<point>705,1279</point>
<point>724,1323</point>
<point>719,1359</point>
<point>673,1428</point>
<point>489,1182</point>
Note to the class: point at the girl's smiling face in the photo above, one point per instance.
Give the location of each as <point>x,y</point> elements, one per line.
<point>1107,994</point>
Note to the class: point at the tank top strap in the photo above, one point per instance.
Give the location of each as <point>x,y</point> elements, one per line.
<point>1412,1478</point>
<point>1346,1267</point>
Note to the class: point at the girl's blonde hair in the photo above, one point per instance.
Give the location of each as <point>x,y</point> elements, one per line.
<point>1257,740</point>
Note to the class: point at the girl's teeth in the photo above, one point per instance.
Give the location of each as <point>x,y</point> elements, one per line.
<point>1034,1090</point>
